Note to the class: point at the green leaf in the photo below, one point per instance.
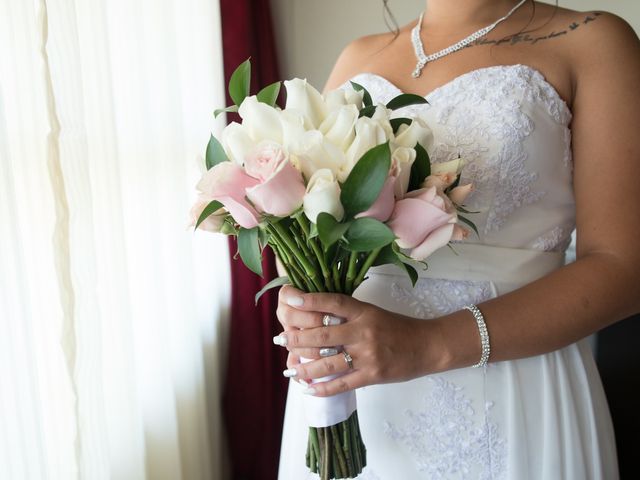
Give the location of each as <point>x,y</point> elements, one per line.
<point>269,94</point>
<point>240,82</point>
<point>213,206</point>
<point>215,153</point>
<point>366,98</point>
<point>330,230</point>
<point>404,100</point>
<point>469,223</point>
<point>413,274</point>
<point>389,255</point>
<point>396,122</point>
<point>366,234</point>
<point>363,185</point>
<point>276,282</point>
<point>249,249</point>
<point>232,109</point>
<point>263,237</point>
<point>313,231</point>
<point>420,169</point>
<point>460,208</point>
<point>367,111</point>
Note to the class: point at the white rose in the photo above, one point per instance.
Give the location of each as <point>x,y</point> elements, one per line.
<point>313,152</point>
<point>369,133</point>
<point>339,126</point>
<point>261,121</point>
<point>292,128</point>
<point>236,142</point>
<point>306,100</point>
<point>323,195</point>
<point>416,132</point>
<point>402,160</point>
<point>453,167</point>
<point>339,97</point>
<point>382,116</point>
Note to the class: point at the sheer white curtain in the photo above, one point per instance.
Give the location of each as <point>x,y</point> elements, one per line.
<point>111,312</point>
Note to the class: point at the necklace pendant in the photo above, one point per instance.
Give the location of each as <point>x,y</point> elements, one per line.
<point>416,73</point>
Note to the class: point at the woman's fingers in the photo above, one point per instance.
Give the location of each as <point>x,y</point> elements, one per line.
<point>331,365</point>
<point>334,303</point>
<point>291,317</point>
<point>316,337</point>
<point>344,383</point>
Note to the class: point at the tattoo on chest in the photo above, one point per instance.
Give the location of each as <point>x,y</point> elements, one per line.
<point>533,39</point>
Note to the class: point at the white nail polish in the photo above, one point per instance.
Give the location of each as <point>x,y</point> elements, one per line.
<point>309,391</point>
<point>302,382</point>
<point>280,340</point>
<point>329,320</point>
<point>295,301</point>
<point>290,372</point>
<point>328,352</point>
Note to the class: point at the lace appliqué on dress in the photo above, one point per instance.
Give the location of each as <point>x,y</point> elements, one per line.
<point>555,240</point>
<point>446,441</point>
<point>500,177</point>
<point>434,297</point>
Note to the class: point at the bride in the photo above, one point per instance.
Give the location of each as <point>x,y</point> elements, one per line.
<point>542,105</point>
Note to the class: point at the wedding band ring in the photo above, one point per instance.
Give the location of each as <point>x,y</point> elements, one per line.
<point>348,359</point>
<point>328,320</point>
<point>328,352</point>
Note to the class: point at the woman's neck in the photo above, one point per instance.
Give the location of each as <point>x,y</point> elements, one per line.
<point>441,16</point>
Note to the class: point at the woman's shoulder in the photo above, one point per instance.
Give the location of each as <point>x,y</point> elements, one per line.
<point>354,55</point>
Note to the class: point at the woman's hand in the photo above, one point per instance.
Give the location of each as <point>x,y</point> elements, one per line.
<point>385,346</point>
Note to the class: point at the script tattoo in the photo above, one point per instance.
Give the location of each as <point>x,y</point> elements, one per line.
<point>527,38</point>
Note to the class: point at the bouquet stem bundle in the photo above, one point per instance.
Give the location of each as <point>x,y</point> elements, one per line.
<point>336,451</point>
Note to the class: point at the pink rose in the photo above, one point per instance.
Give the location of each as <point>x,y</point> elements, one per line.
<point>440,181</point>
<point>383,206</point>
<point>213,223</point>
<point>280,187</point>
<point>421,222</point>
<point>459,194</point>
<point>227,182</point>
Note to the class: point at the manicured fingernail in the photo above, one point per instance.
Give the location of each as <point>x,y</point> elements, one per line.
<point>328,352</point>
<point>280,340</point>
<point>295,301</point>
<point>290,372</point>
<point>309,391</point>
<point>303,383</point>
<point>329,320</point>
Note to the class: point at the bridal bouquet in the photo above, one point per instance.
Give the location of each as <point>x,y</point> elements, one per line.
<point>333,185</point>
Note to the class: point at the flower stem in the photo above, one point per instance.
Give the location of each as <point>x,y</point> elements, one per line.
<point>304,225</point>
<point>341,462</point>
<point>351,273</point>
<point>336,277</point>
<point>365,266</point>
<point>304,261</point>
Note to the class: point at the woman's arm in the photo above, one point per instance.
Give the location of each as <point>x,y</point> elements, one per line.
<point>601,287</point>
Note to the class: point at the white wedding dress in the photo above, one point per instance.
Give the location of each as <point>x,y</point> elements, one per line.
<point>539,418</point>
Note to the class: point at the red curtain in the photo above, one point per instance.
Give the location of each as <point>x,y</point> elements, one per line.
<point>255,390</point>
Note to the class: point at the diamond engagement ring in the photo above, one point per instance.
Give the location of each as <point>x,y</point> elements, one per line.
<point>348,359</point>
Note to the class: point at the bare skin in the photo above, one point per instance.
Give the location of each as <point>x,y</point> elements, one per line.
<point>593,61</point>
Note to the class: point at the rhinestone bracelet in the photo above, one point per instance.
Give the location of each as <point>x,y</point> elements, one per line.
<point>484,335</point>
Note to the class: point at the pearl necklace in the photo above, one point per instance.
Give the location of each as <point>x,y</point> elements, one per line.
<point>423,59</point>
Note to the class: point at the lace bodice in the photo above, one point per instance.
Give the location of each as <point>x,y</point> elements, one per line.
<point>512,128</point>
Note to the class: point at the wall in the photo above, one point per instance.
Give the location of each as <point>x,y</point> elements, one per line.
<point>312,33</point>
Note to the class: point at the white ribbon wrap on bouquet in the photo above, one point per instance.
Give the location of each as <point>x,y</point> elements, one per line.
<point>328,411</point>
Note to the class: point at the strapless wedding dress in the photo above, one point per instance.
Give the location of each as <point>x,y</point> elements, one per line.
<point>539,418</point>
